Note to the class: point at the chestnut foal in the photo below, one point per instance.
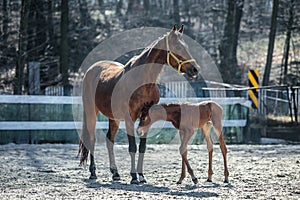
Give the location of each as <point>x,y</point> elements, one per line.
<point>187,117</point>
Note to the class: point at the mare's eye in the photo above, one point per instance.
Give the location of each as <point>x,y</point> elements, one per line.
<point>144,118</point>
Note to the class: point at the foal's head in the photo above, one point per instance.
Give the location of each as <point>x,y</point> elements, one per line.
<point>149,114</point>
<point>178,55</point>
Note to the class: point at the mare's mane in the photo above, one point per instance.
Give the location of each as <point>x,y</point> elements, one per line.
<point>146,50</point>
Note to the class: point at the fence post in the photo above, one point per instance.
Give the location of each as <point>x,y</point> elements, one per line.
<point>34,78</point>
<point>295,106</point>
<point>290,104</point>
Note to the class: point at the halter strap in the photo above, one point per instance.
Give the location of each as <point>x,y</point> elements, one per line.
<point>179,62</point>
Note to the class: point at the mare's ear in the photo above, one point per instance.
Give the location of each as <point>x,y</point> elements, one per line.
<point>174,28</point>
<point>181,29</point>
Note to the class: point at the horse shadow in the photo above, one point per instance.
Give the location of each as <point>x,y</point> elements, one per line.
<point>117,185</point>
<point>188,190</point>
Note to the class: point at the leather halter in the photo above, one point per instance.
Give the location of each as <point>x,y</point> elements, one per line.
<point>179,62</point>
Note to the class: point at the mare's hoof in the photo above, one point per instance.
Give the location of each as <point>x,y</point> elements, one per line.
<point>93,177</point>
<point>116,177</point>
<point>134,181</point>
<point>209,180</point>
<point>226,181</point>
<point>195,180</point>
<point>178,182</point>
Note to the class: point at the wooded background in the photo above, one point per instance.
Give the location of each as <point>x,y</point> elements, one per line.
<point>59,34</point>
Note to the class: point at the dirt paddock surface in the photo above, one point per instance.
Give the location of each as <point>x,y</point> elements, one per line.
<point>52,172</point>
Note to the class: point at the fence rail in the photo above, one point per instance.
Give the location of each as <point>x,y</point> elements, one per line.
<point>71,125</point>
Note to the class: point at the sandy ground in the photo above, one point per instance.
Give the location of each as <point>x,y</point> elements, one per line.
<point>52,172</point>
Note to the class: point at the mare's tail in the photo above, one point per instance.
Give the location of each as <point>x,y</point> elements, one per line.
<point>83,152</point>
<point>87,138</point>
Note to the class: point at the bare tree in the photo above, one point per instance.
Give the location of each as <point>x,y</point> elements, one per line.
<point>271,43</point>
<point>176,15</point>
<point>287,40</point>
<point>22,47</point>
<point>228,47</point>
<point>64,43</point>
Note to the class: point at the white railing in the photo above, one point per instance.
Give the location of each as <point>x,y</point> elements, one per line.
<point>71,125</point>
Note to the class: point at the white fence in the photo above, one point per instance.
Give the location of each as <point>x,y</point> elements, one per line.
<point>71,125</point>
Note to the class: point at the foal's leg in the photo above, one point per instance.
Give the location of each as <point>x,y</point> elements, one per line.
<point>142,150</point>
<point>206,131</point>
<point>132,149</point>
<point>183,166</point>
<point>185,137</point>
<point>218,130</point>
<point>190,170</point>
<point>110,140</point>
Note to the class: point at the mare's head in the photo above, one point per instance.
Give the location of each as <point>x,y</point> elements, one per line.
<point>178,55</point>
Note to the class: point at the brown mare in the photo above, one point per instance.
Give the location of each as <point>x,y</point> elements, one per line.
<point>187,117</point>
<point>119,92</point>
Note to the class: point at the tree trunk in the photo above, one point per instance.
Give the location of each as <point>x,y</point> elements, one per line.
<point>84,13</point>
<point>271,43</point>
<point>146,7</point>
<point>239,4</point>
<point>64,43</point>
<point>41,29</point>
<point>4,32</point>
<point>119,7</point>
<point>22,47</point>
<point>51,37</point>
<point>287,41</point>
<point>228,61</point>
<point>176,15</point>
<point>130,6</point>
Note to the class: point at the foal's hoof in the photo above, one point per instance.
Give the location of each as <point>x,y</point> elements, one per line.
<point>134,181</point>
<point>178,182</point>
<point>209,180</point>
<point>226,181</point>
<point>195,180</point>
<point>116,177</point>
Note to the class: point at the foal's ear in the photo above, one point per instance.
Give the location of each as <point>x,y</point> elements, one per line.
<point>181,29</point>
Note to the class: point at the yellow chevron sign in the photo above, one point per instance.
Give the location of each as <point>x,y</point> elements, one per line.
<point>253,81</point>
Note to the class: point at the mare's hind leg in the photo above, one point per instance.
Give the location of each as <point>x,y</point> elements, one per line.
<point>90,121</point>
<point>110,140</point>
<point>206,131</point>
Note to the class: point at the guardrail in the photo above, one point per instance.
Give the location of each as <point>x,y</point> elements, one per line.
<point>72,125</point>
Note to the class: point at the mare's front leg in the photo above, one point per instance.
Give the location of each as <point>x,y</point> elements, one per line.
<point>132,149</point>
<point>140,164</point>
<point>110,140</point>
